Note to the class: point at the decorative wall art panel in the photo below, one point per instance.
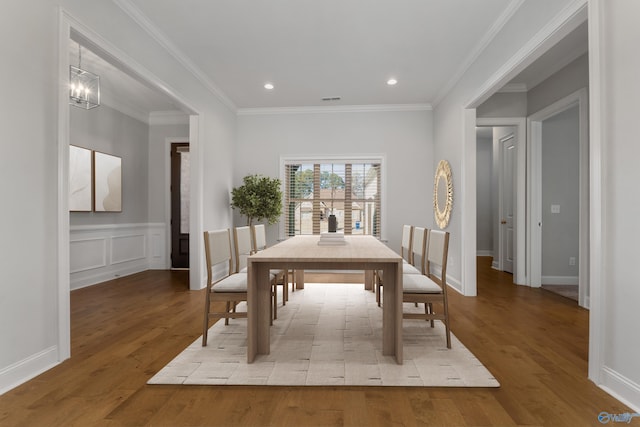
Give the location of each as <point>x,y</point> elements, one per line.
<point>107,183</point>
<point>80,174</point>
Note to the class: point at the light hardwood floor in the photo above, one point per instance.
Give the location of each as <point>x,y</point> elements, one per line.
<point>124,331</point>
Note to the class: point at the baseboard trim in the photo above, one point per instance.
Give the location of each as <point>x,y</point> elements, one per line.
<point>620,387</point>
<point>104,276</point>
<point>26,369</point>
<point>484,253</point>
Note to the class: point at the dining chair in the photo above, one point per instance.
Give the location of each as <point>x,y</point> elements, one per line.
<point>231,288</point>
<point>243,249</point>
<point>430,288</point>
<point>413,243</point>
<point>419,242</point>
<point>281,276</point>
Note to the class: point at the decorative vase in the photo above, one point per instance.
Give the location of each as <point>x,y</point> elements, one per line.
<point>333,223</point>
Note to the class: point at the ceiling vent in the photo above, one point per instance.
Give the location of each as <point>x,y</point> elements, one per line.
<point>332,98</point>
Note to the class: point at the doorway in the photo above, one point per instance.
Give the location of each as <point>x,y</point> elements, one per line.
<point>180,206</point>
<point>559,176</point>
<point>501,200</point>
<point>496,168</point>
<point>71,29</point>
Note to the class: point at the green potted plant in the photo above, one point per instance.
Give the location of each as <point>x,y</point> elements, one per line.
<point>259,198</point>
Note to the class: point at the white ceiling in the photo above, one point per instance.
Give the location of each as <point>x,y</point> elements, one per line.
<point>310,49</point>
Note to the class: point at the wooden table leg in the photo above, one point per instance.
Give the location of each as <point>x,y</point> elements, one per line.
<point>392,312</point>
<point>299,273</point>
<point>258,311</point>
<point>368,280</point>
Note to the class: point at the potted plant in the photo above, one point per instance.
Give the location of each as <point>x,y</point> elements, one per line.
<point>259,198</point>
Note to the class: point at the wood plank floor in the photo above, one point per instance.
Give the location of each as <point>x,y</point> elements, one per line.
<point>124,331</point>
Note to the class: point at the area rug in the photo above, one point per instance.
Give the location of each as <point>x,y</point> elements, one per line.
<point>328,335</point>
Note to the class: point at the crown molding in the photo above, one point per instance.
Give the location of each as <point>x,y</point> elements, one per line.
<point>506,15</point>
<point>174,117</point>
<point>334,109</point>
<point>145,23</point>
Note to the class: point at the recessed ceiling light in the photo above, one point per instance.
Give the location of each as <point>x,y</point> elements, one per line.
<point>268,86</point>
<point>391,82</point>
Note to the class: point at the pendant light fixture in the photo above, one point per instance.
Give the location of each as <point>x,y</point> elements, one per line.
<point>84,86</point>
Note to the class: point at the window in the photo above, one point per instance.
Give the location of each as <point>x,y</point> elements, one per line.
<point>350,190</point>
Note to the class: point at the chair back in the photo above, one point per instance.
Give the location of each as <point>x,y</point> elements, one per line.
<point>259,237</point>
<point>217,249</point>
<point>242,240</point>
<point>419,248</point>
<point>437,252</point>
<point>405,247</point>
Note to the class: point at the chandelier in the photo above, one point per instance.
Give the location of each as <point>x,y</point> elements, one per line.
<point>84,86</point>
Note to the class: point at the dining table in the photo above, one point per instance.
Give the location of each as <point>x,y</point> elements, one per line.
<point>354,252</point>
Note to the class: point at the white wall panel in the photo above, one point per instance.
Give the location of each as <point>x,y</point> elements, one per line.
<point>104,252</point>
<point>88,254</point>
<point>128,248</point>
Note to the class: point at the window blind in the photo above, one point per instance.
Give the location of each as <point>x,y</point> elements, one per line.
<point>350,191</point>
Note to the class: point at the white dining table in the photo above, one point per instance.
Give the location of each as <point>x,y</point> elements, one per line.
<point>304,252</point>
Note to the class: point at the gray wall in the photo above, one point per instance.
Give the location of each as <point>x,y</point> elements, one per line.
<point>109,131</point>
<point>509,104</point>
<point>566,81</point>
<point>484,209</point>
<point>560,186</point>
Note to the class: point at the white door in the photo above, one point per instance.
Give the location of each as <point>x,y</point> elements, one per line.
<point>508,160</point>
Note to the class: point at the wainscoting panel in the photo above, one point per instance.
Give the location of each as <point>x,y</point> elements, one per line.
<point>104,252</point>
<point>88,254</point>
<point>128,248</point>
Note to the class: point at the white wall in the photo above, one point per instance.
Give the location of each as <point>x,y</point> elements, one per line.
<point>450,125</point>
<point>404,137</point>
<point>614,353</point>
<point>30,163</point>
<point>620,207</point>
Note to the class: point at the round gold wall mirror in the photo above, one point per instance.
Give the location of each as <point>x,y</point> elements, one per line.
<point>443,194</point>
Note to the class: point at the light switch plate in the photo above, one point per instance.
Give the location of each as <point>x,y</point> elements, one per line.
<point>555,208</point>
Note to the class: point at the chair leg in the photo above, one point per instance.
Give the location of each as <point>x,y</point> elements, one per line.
<point>226,319</point>
<point>446,324</point>
<point>285,288</point>
<point>205,328</point>
<point>275,301</point>
<point>431,312</point>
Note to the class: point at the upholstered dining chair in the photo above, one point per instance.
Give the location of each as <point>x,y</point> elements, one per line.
<point>231,288</point>
<point>281,276</point>
<point>413,245</point>
<point>430,288</point>
<point>243,249</point>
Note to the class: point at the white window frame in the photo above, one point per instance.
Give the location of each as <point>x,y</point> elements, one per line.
<point>337,159</point>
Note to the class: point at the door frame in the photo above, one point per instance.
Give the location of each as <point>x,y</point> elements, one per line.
<point>68,24</point>
<point>167,192</point>
<point>520,123</point>
<point>580,99</point>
